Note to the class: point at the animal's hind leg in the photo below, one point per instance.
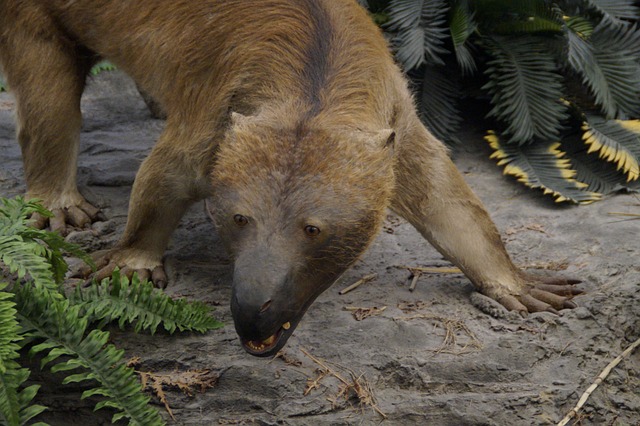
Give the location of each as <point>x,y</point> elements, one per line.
<point>47,76</point>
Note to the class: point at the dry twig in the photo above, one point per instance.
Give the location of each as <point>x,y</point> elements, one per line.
<point>361,313</point>
<point>601,377</point>
<point>358,283</point>
<point>357,384</point>
<point>451,328</point>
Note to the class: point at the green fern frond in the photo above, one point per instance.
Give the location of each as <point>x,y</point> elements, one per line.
<point>420,28</point>
<point>24,257</point>
<point>525,87</point>
<point>541,165</point>
<point>617,141</point>
<point>141,303</point>
<point>102,66</point>
<point>15,407</point>
<point>63,328</point>
<point>35,251</point>
<point>9,328</point>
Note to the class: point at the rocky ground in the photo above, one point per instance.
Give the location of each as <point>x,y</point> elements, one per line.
<point>425,357</point>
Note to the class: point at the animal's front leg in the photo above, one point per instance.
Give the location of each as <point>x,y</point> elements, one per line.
<point>161,193</point>
<point>432,195</point>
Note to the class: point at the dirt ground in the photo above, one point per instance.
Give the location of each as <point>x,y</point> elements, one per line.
<point>431,357</point>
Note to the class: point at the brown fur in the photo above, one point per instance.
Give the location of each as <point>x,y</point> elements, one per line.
<point>316,96</point>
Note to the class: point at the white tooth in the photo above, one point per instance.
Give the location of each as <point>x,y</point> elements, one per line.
<point>286,325</point>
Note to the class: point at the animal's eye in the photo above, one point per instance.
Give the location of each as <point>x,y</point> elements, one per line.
<point>312,231</point>
<point>240,220</point>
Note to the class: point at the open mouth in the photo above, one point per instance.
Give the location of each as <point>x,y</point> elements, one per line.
<point>269,345</point>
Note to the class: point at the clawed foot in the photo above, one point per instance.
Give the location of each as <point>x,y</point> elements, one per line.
<point>107,261</point>
<point>542,294</point>
<point>65,219</point>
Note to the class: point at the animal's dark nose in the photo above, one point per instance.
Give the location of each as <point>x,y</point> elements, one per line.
<point>265,306</point>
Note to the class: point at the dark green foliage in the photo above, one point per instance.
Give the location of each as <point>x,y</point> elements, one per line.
<point>102,66</point>
<point>64,331</point>
<point>546,67</point>
<point>35,312</point>
<point>140,303</point>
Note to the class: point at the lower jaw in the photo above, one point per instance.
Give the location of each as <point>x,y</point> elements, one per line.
<point>265,347</point>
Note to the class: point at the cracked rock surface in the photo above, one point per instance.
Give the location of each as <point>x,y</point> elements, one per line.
<point>431,357</point>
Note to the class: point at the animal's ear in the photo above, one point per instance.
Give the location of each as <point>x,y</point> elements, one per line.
<point>239,120</point>
<point>386,139</point>
<point>208,208</point>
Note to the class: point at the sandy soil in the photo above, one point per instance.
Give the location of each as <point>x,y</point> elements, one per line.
<point>507,371</point>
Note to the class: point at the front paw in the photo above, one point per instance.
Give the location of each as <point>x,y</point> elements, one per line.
<point>538,294</point>
<point>64,219</point>
<point>128,261</point>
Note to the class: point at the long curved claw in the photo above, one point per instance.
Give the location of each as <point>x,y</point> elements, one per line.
<point>541,295</point>
<point>66,219</point>
<point>106,263</point>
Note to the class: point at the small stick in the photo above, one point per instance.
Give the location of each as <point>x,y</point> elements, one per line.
<point>432,270</point>
<point>624,214</point>
<point>325,366</point>
<point>414,280</point>
<point>358,283</point>
<point>603,375</point>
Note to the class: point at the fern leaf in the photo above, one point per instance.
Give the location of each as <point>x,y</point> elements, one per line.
<point>28,250</point>
<point>15,407</point>
<point>525,87</point>
<point>617,141</point>
<point>60,323</point>
<point>420,27</point>
<point>102,66</point>
<point>541,165</point>
<point>141,304</point>
<point>24,257</point>
<point>9,329</point>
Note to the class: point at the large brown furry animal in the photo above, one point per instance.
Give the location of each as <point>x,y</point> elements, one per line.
<point>290,116</point>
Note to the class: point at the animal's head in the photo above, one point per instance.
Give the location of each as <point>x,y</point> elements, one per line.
<point>295,208</point>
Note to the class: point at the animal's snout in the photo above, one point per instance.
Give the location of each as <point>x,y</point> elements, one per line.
<point>265,306</point>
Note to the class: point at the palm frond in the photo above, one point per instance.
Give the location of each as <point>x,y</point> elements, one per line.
<point>543,166</point>
<point>420,28</point>
<point>613,10</point>
<point>525,87</point>
<point>609,67</point>
<point>617,141</point>
<point>461,27</point>
<point>438,100</point>
<point>143,304</point>
<point>64,329</point>
<point>600,176</point>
